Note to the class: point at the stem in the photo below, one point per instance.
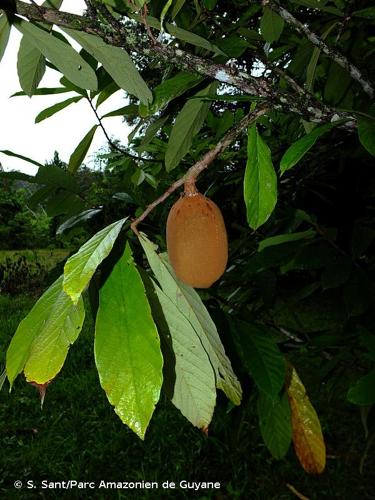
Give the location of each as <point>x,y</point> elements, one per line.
<point>191,175</point>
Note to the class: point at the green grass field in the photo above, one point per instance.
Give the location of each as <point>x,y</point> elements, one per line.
<point>78,436</point>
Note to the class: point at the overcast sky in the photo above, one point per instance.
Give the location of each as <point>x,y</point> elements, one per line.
<point>61,132</point>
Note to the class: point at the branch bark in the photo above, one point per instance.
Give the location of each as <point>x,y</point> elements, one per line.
<point>332,53</point>
<point>202,164</point>
<point>304,105</point>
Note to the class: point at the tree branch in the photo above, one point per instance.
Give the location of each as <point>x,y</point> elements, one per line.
<point>336,56</point>
<point>202,164</point>
<point>127,37</point>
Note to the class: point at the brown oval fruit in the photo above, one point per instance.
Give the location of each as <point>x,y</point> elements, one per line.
<point>196,239</point>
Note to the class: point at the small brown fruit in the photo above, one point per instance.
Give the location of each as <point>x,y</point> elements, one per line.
<point>196,239</point>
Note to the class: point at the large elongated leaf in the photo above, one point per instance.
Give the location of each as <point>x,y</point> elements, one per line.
<point>260,356</point>
<point>31,66</point>
<point>271,25</point>
<point>191,306</point>
<point>307,434</point>
<point>80,152</point>
<point>127,347</point>
<point>116,62</point>
<point>188,123</point>
<point>62,55</point>
<point>54,176</point>
<point>30,61</point>
<point>80,267</point>
<point>42,340</point>
<point>151,131</point>
<point>299,148</point>
<point>260,183</point>
<point>46,113</point>
<point>4,34</point>
<point>194,392</point>
<point>285,238</point>
<point>170,89</point>
<point>78,219</point>
<point>275,424</point>
<point>21,157</point>
<point>43,91</point>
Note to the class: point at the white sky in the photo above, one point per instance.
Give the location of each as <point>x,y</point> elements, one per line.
<point>61,132</point>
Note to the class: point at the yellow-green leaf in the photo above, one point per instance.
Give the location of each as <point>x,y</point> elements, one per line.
<point>127,347</point>
<point>307,434</point>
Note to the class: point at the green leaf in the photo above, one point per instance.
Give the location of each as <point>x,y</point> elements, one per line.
<point>4,34</point>
<point>21,157</point>
<point>63,56</point>
<point>54,176</point>
<point>285,238</point>
<point>363,391</point>
<point>271,25</point>
<point>151,131</point>
<point>299,148</point>
<point>30,61</point>
<point>188,123</point>
<point>80,267</point>
<point>261,356</point>
<point>366,134</point>
<point>260,183</point>
<point>311,68</point>
<point>43,91</point>
<point>194,392</point>
<point>127,347</point>
<point>42,340</point>
<point>116,62</point>
<point>275,424</point>
<point>368,13</point>
<point>78,155</point>
<point>164,13</point>
<point>78,219</point>
<point>170,89</point>
<point>129,110</point>
<point>31,66</point>
<point>46,113</point>
<point>177,7</point>
<point>188,302</point>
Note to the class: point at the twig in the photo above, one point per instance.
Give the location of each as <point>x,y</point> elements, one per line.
<point>202,164</point>
<point>296,492</point>
<point>336,56</point>
<point>113,144</point>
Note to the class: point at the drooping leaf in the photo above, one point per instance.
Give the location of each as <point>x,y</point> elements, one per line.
<point>271,25</point>
<point>54,176</point>
<point>275,424</point>
<point>80,267</point>
<point>260,356</point>
<point>78,219</point>
<point>4,34</point>
<point>30,61</point>
<point>21,157</point>
<point>285,238</point>
<point>31,66</point>
<point>64,203</point>
<point>43,91</point>
<point>299,148</point>
<point>151,131</point>
<point>170,89</point>
<point>191,306</point>
<point>307,434</point>
<point>42,340</point>
<point>194,392</point>
<point>50,111</point>
<point>260,183</point>
<point>62,55</point>
<point>366,134</point>
<point>188,123</point>
<point>116,62</point>
<point>363,391</point>
<point>127,347</point>
<point>129,110</point>
<point>79,154</point>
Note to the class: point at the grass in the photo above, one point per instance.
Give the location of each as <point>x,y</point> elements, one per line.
<point>77,435</point>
